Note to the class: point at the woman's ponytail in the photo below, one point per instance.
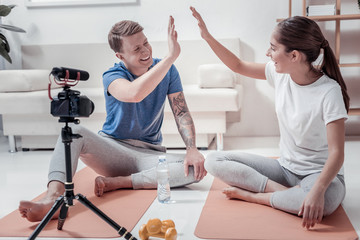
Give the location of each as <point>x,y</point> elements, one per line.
<point>331,68</point>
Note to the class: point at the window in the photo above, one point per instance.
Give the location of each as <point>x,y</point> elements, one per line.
<point>64,3</point>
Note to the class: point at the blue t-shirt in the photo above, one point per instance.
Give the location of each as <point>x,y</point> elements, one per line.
<point>142,120</point>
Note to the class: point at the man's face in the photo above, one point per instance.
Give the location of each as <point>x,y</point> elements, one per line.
<point>136,53</point>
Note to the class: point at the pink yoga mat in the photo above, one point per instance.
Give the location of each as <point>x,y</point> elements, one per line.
<point>125,207</point>
<point>222,218</point>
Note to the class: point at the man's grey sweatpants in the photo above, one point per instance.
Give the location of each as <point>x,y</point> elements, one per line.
<point>111,158</point>
<point>251,172</point>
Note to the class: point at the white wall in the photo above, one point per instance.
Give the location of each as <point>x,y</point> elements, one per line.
<point>251,21</point>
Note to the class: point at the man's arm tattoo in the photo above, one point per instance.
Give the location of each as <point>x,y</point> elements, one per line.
<point>183,119</point>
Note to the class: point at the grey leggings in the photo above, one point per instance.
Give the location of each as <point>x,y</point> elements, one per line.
<point>251,172</point>
<point>111,158</point>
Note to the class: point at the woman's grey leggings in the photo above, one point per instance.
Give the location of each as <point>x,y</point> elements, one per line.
<point>251,172</point>
<point>111,158</point>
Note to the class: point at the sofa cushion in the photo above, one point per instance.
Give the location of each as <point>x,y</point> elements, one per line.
<point>211,99</point>
<point>215,76</point>
<point>24,80</point>
<point>197,99</point>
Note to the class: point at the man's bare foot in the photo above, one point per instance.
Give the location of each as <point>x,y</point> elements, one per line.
<point>36,211</point>
<point>107,184</point>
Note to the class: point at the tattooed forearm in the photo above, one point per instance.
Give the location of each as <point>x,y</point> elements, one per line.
<point>178,104</point>
<point>187,130</point>
<point>183,119</point>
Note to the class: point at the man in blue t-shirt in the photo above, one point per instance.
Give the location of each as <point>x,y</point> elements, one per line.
<point>134,119</point>
<point>125,152</point>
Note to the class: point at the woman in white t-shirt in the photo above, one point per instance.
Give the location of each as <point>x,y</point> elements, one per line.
<point>311,105</point>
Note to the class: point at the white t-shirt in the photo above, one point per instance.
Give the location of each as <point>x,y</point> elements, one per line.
<point>303,113</point>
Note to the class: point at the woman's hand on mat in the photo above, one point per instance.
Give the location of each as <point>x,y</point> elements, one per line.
<point>202,26</point>
<point>312,209</point>
<point>196,159</point>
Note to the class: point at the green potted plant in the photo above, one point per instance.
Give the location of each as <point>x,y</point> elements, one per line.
<point>4,44</point>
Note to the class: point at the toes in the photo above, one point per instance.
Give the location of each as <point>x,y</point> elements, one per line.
<point>99,186</point>
<point>23,213</point>
<point>228,192</point>
<point>99,192</point>
<point>24,208</point>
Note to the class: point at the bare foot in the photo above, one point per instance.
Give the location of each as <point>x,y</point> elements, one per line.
<point>107,184</point>
<point>236,193</point>
<point>100,186</point>
<point>36,211</point>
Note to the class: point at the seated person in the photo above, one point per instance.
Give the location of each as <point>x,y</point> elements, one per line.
<point>311,105</point>
<point>125,152</point>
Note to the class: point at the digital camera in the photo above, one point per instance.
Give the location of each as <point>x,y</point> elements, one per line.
<point>70,104</point>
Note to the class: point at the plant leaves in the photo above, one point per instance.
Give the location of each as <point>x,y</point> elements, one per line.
<point>4,52</point>
<point>4,45</point>
<point>5,42</point>
<point>12,28</point>
<point>4,10</point>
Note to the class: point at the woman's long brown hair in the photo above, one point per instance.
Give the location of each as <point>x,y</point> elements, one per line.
<point>303,34</point>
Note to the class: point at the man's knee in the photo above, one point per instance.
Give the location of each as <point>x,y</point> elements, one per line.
<point>78,129</point>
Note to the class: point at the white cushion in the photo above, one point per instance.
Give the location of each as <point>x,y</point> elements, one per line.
<point>24,80</point>
<point>215,76</point>
<point>211,99</point>
<point>197,99</point>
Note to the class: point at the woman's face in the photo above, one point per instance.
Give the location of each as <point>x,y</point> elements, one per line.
<point>278,55</point>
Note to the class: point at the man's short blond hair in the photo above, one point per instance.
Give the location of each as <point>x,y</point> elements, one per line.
<point>122,29</point>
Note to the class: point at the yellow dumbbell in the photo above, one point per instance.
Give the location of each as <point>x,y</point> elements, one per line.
<point>160,229</point>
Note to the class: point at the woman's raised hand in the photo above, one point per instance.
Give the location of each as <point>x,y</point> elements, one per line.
<point>203,29</point>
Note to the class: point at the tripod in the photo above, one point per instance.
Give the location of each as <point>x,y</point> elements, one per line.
<point>66,200</point>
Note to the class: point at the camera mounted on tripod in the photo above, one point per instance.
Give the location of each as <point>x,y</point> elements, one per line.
<point>69,103</point>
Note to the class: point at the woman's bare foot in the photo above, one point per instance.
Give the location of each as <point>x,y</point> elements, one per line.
<point>36,211</point>
<point>238,193</point>
<point>107,184</point>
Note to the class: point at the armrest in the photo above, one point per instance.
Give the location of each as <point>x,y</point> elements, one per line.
<point>24,80</point>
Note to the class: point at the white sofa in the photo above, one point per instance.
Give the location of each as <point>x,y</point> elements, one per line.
<point>211,90</point>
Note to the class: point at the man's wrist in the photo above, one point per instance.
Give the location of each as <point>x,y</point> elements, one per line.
<point>191,147</point>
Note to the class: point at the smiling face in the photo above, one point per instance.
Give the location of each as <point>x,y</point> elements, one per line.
<point>277,53</point>
<point>136,53</point>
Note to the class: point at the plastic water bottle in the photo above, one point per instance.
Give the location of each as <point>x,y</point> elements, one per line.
<point>163,188</point>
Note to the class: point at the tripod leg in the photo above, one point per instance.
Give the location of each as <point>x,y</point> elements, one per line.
<point>68,201</point>
<point>121,230</point>
<point>59,201</point>
<point>62,216</point>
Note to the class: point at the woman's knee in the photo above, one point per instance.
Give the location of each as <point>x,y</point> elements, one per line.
<point>334,196</point>
<point>212,160</point>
